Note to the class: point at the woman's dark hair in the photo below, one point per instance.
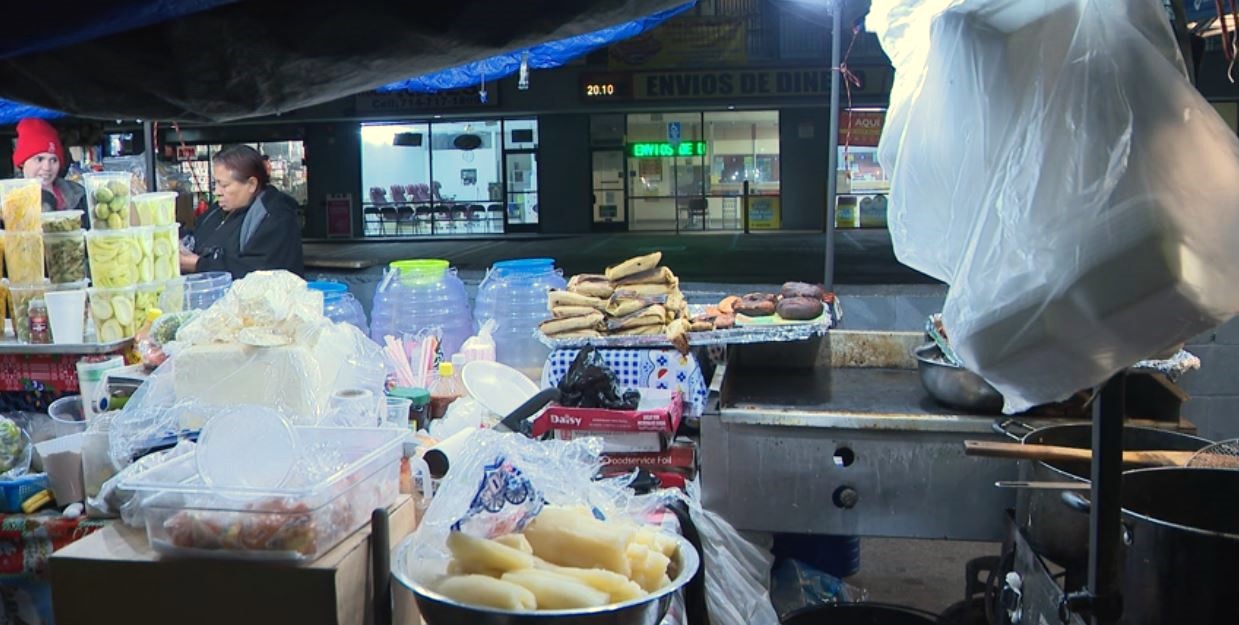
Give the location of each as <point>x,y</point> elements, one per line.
<point>244,162</point>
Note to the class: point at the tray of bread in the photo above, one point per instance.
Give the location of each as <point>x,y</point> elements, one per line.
<point>638,303</point>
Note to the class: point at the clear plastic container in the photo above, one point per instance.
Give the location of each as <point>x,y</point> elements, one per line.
<point>20,296</point>
<point>343,475</point>
<point>146,263</point>
<point>165,249</point>
<point>62,221</point>
<point>155,209</point>
<point>513,293</point>
<point>196,291</point>
<point>108,199</point>
<point>66,255</point>
<point>21,205</point>
<point>339,305</point>
<point>114,312</point>
<point>147,296</point>
<point>420,295</point>
<point>23,253</point>
<point>114,257</point>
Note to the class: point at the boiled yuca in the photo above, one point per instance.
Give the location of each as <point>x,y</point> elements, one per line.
<point>479,554</point>
<point>515,541</point>
<point>489,592</point>
<point>567,538</point>
<point>648,567</point>
<point>557,592</point>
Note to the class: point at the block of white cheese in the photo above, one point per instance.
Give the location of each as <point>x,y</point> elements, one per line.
<point>290,378</point>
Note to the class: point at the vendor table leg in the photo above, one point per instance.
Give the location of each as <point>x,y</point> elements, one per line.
<point>1105,528</point>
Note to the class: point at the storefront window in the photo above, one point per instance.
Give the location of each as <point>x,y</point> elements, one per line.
<point>863,183</point>
<point>287,162</point>
<point>467,177</point>
<point>743,147</point>
<point>663,189</point>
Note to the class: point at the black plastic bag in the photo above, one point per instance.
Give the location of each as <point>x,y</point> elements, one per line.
<point>590,383</point>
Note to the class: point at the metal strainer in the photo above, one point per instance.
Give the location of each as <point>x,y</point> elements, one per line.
<point>1219,455</point>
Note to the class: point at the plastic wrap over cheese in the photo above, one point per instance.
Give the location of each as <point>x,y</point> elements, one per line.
<point>1052,164</point>
<point>264,343</point>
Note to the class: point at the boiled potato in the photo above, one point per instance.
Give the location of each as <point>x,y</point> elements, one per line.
<point>479,554</point>
<point>557,592</point>
<point>489,592</point>
<point>567,538</point>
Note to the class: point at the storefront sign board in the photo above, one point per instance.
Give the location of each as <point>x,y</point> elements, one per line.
<point>764,213</point>
<point>861,128</point>
<point>373,102</point>
<point>340,215</point>
<point>727,84</point>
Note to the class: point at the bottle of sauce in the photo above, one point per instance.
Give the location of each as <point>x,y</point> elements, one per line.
<point>36,312</point>
<point>445,390</point>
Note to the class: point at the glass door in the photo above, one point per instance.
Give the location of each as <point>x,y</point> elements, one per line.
<point>521,171</point>
<point>610,200</point>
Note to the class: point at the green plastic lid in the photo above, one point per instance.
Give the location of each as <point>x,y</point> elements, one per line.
<point>419,396</point>
<point>420,270</point>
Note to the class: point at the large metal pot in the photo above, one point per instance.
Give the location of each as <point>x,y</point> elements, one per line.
<point>1180,546</point>
<point>1051,530</point>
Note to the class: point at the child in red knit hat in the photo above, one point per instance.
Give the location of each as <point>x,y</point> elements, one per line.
<point>40,155</point>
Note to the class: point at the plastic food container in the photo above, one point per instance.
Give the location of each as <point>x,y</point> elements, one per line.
<point>20,296</point>
<point>62,221</point>
<point>23,253</point>
<point>114,312</point>
<point>341,477</point>
<point>66,255</point>
<point>21,205</point>
<point>196,291</point>
<point>339,305</point>
<point>108,199</point>
<point>146,296</point>
<point>165,249</point>
<point>146,263</point>
<point>155,209</point>
<point>114,257</point>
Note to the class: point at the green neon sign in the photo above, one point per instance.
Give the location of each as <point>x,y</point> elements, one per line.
<point>663,149</point>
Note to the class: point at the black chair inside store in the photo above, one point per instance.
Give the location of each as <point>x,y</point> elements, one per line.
<point>422,216</point>
<point>405,217</point>
<point>372,217</point>
<point>389,214</point>
<point>494,218</point>
<point>441,216</point>
<point>476,215</point>
<point>697,209</point>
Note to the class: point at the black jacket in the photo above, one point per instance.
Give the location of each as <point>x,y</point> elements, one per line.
<point>271,231</point>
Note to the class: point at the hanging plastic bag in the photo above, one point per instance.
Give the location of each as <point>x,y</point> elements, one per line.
<point>1051,162</point>
<point>737,571</point>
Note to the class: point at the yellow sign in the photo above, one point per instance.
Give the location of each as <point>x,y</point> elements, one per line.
<point>764,213</point>
<point>684,41</point>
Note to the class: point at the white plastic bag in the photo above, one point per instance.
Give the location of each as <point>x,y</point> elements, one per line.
<point>737,571</point>
<point>1050,161</point>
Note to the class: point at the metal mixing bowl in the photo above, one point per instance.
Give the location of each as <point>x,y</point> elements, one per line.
<point>952,385</point>
<point>437,609</point>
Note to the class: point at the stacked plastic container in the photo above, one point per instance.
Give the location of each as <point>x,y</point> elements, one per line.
<point>422,294</point>
<point>339,305</point>
<point>196,291</point>
<point>514,295</point>
<point>21,203</point>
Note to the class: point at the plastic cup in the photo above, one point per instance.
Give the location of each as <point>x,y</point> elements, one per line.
<point>108,199</point>
<point>249,447</point>
<point>155,209</point>
<point>21,204</point>
<point>114,312</point>
<point>90,380</point>
<point>67,416</point>
<point>66,313</point>
<point>397,412</point>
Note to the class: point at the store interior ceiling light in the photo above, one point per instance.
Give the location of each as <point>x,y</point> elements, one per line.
<point>467,142</point>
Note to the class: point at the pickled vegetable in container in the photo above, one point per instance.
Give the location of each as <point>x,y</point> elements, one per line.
<point>66,255</point>
<point>23,252</point>
<point>20,296</point>
<point>155,209</point>
<point>146,297</point>
<point>114,313</point>
<point>165,249</point>
<point>146,263</point>
<point>114,257</point>
<point>21,204</point>
<point>108,199</point>
<point>62,221</point>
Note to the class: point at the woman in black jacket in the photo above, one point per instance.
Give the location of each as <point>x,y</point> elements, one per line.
<point>253,226</point>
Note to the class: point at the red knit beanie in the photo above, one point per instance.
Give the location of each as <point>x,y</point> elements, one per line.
<point>35,136</point>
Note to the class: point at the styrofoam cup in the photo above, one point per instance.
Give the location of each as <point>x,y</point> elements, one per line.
<point>66,313</point>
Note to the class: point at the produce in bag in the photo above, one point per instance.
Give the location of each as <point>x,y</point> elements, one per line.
<point>20,296</point>
<point>23,252</point>
<point>165,248</point>
<point>62,221</point>
<point>516,514</point>
<point>155,209</point>
<point>114,258</point>
<point>108,200</point>
<point>114,313</point>
<point>21,204</point>
<point>66,256</point>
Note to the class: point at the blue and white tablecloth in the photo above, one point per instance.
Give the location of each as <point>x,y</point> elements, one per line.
<point>642,368</point>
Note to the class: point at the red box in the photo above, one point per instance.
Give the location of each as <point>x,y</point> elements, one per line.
<point>660,412</point>
<point>679,457</point>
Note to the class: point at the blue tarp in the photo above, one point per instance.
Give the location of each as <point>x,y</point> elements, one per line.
<point>12,112</point>
<point>543,56</point>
